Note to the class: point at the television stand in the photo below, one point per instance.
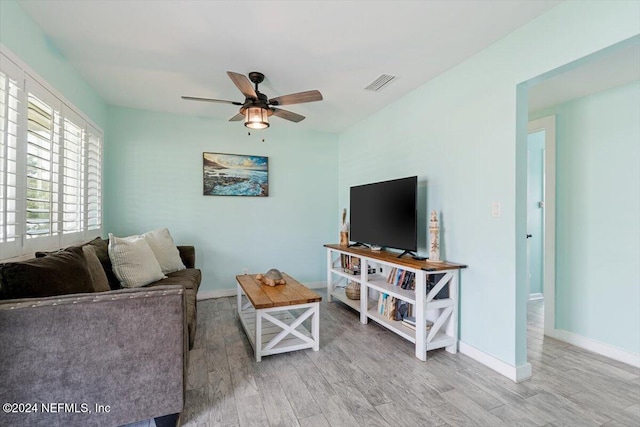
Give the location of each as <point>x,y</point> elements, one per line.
<point>427,309</point>
<point>406,253</point>
<point>356,244</point>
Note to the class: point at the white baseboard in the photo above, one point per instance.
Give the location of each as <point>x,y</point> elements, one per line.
<point>222,293</point>
<point>601,348</point>
<point>536,296</point>
<point>218,293</point>
<point>316,285</point>
<point>514,373</point>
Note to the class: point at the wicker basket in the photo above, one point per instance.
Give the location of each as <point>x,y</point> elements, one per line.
<point>352,291</point>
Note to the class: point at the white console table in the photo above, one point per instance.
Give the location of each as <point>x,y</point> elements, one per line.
<point>442,312</point>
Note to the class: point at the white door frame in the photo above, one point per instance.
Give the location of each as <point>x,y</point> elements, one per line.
<point>548,124</point>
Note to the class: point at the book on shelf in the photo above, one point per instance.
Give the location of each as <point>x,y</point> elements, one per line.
<point>381,302</point>
<point>408,281</point>
<point>401,278</point>
<point>410,322</point>
<point>349,262</point>
<point>387,306</point>
<point>392,275</point>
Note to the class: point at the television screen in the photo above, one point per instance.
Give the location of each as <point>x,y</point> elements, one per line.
<point>385,214</point>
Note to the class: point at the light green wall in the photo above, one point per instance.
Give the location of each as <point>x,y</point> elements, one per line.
<point>24,38</point>
<point>458,134</point>
<point>598,217</point>
<point>153,178</point>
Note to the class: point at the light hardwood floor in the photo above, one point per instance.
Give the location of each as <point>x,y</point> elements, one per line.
<point>364,375</point>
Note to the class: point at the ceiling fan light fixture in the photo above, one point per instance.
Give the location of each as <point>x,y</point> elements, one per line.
<point>256,118</point>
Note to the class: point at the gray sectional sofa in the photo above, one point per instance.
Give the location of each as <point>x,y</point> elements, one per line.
<point>93,358</point>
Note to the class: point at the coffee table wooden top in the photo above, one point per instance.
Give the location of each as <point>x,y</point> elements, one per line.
<point>263,296</point>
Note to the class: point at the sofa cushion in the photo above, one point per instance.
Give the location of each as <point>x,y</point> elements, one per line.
<point>102,252</point>
<point>133,261</point>
<point>164,249</point>
<point>63,272</point>
<point>188,278</point>
<point>98,276</point>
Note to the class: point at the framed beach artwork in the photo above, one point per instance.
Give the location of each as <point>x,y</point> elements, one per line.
<point>235,175</point>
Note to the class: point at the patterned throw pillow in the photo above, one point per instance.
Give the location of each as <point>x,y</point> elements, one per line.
<point>133,261</point>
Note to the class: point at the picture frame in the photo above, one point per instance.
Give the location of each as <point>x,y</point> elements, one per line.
<point>226,174</point>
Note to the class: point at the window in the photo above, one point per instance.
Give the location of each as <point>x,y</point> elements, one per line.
<point>50,167</point>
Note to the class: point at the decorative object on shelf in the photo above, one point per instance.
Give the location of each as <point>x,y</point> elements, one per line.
<point>410,322</point>
<point>235,175</point>
<point>344,229</point>
<point>434,230</point>
<point>352,291</point>
<point>271,278</point>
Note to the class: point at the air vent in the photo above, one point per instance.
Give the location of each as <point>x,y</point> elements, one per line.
<point>380,82</point>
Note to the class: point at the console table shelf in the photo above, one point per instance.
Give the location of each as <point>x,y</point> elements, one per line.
<point>442,312</point>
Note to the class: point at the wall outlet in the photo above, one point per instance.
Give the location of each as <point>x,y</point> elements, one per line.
<point>496,210</point>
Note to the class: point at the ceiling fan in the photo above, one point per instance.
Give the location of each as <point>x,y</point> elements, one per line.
<point>256,108</point>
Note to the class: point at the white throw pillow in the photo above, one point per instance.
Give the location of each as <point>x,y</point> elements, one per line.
<point>165,250</point>
<point>133,261</point>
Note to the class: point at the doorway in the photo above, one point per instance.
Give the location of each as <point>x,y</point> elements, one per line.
<point>541,184</point>
<point>535,208</point>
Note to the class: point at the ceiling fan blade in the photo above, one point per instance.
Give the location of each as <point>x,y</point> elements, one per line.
<point>297,98</point>
<point>222,101</point>
<point>288,115</point>
<point>242,82</point>
<point>237,117</point>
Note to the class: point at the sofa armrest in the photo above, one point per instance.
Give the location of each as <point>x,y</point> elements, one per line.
<point>126,349</point>
<point>188,255</point>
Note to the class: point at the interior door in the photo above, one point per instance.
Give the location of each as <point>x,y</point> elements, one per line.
<point>535,211</point>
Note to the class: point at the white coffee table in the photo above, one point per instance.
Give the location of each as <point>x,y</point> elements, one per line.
<point>273,316</point>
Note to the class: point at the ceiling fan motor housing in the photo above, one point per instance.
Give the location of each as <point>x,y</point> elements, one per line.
<point>261,102</point>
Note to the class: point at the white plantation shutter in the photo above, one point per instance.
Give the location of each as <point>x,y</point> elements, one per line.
<point>94,178</point>
<point>50,166</point>
<point>10,125</point>
<point>73,182</point>
<point>41,192</point>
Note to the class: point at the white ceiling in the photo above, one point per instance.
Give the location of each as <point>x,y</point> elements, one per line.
<point>146,54</point>
<point>613,68</point>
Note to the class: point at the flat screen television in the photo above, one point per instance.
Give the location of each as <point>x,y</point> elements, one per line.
<point>385,214</point>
